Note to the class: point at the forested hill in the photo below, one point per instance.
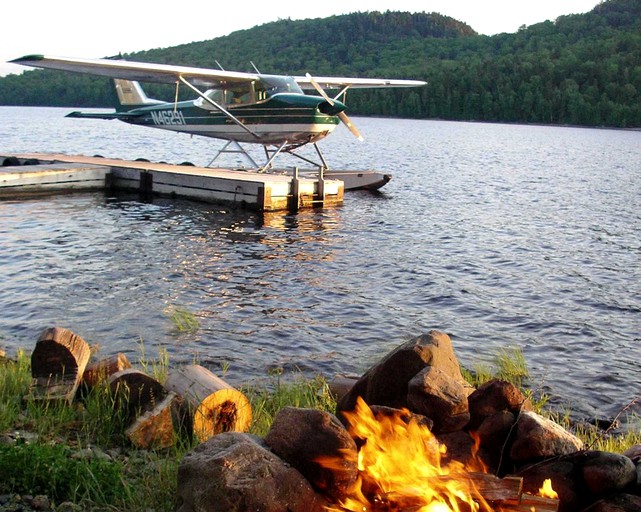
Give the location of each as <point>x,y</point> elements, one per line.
<point>580,69</point>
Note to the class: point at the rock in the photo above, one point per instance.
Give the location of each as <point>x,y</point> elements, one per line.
<point>40,502</point>
<point>460,447</point>
<point>24,503</point>
<point>495,429</point>
<point>380,411</point>
<point>386,383</point>
<point>606,473</point>
<point>539,438</point>
<point>495,439</point>
<point>565,481</point>
<point>617,503</point>
<point>582,478</point>
<point>435,394</point>
<point>495,396</point>
<point>7,440</point>
<point>235,472</point>
<point>302,437</point>
<point>67,506</point>
<point>634,453</point>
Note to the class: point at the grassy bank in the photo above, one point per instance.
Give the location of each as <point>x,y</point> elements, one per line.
<point>78,454</point>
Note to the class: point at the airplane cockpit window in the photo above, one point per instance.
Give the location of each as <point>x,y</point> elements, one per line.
<point>242,94</point>
<point>271,85</point>
<point>247,93</point>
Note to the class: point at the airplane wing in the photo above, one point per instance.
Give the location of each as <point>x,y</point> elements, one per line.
<point>165,73</point>
<point>139,71</point>
<point>334,82</point>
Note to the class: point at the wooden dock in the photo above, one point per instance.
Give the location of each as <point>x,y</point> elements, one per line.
<point>35,173</point>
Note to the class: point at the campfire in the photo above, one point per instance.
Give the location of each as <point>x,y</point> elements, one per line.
<point>408,435</point>
<point>402,467</point>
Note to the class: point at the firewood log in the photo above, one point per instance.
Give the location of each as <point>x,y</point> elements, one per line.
<point>531,502</point>
<point>504,494</point>
<point>104,368</point>
<point>57,364</point>
<point>211,405</point>
<point>135,392</point>
<point>155,428</point>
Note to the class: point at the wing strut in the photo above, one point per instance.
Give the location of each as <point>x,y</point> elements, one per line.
<point>176,96</point>
<point>219,107</point>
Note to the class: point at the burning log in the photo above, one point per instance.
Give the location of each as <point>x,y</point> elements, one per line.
<point>57,364</point>
<point>533,503</point>
<point>506,494</point>
<point>212,405</point>
<point>495,494</point>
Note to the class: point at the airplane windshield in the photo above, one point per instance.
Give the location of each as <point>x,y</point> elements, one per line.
<point>241,94</point>
<point>248,93</point>
<point>278,84</point>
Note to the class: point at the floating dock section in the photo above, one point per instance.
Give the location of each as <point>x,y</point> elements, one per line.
<point>34,173</point>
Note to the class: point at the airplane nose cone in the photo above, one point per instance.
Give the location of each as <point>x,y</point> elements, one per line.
<point>327,108</point>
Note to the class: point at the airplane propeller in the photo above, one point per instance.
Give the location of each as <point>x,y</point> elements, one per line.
<point>342,115</point>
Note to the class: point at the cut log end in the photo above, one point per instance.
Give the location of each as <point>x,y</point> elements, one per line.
<point>57,364</point>
<point>105,368</point>
<point>211,405</point>
<point>155,428</point>
<point>225,410</point>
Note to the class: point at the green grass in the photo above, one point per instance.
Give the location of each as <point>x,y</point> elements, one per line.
<point>51,469</point>
<point>15,377</point>
<point>301,392</point>
<point>183,320</point>
<point>509,364</point>
<point>44,459</point>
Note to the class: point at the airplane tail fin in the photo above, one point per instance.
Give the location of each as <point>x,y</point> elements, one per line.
<point>129,95</point>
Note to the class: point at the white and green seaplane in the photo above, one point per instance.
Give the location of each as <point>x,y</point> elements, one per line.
<point>237,107</point>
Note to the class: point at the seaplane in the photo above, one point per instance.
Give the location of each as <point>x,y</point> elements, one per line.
<point>237,107</point>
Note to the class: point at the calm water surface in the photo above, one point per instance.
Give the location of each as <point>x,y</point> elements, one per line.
<point>502,236</point>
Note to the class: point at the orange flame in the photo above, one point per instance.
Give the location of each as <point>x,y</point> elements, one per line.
<point>400,465</point>
<point>547,491</point>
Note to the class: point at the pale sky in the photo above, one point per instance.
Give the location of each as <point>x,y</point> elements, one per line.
<point>77,28</point>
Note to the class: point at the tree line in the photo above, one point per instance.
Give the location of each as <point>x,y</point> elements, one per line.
<point>582,69</point>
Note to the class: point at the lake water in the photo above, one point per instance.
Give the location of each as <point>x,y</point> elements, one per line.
<point>500,235</point>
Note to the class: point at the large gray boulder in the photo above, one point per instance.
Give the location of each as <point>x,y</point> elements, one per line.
<point>540,438</point>
<point>387,383</point>
<point>439,396</point>
<point>235,472</point>
<point>307,439</point>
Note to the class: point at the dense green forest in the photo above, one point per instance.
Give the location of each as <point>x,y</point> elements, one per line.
<point>582,69</point>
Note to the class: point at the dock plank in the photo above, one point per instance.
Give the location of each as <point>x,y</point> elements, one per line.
<point>254,190</point>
